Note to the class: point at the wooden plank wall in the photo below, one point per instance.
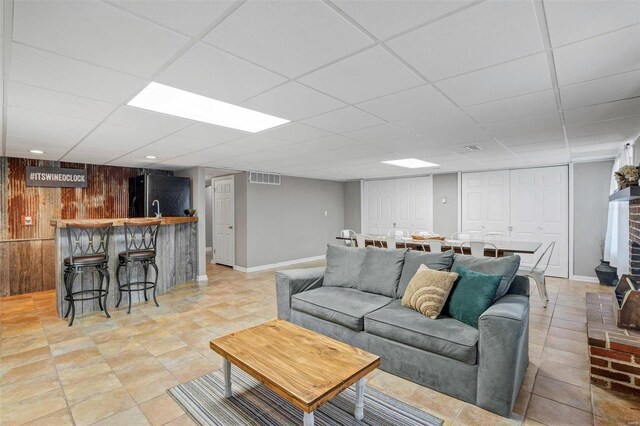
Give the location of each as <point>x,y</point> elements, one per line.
<point>107,195</point>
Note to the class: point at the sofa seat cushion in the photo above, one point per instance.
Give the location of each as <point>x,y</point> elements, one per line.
<point>444,336</point>
<point>343,306</point>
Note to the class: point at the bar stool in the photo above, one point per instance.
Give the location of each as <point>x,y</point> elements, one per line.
<point>140,237</point>
<point>88,252</point>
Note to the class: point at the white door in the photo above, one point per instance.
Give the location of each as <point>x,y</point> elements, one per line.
<point>398,203</point>
<point>540,212</point>
<point>485,203</point>
<point>223,217</point>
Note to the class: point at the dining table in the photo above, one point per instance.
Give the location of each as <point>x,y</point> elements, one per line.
<point>505,247</point>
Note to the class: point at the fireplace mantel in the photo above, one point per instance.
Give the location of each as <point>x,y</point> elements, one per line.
<point>627,194</point>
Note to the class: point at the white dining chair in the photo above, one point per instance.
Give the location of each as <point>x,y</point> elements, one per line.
<point>361,240</point>
<point>391,242</point>
<point>351,235</point>
<point>478,248</point>
<point>399,233</point>
<point>493,236</point>
<point>460,236</point>
<point>435,246</point>
<point>537,273</point>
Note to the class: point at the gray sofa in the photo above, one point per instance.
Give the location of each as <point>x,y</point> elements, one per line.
<point>483,366</point>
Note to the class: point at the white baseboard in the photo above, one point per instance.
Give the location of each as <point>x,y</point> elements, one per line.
<point>202,278</point>
<point>584,278</point>
<point>278,265</point>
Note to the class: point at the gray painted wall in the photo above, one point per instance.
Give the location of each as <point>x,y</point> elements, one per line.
<point>198,202</point>
<point>352,205</point>
<point>445,216</point>
<point>591,206</point>
<point>287,222</point>
<point>240,214</point>
<point>209,215</point>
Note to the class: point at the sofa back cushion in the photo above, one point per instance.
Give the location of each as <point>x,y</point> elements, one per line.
<point>412,261</point>
<point>343,266</point>
<point>472,294</point>
<point>506,266</point>
<point>381,271</point>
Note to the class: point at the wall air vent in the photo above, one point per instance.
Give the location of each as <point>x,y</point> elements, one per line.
<point>264,178</point>
<point>473,147</point>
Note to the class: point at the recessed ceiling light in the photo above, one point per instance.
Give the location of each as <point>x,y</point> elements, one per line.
<point>36,151</point>
<point>473,147</point>
<point>411,163</point>
<point>169,100</point>
<point>150,157</point>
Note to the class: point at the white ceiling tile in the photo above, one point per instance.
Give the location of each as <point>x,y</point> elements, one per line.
<point>486,34</point>
<point>19,147</point>
<point>329,143</point>
<point>597,139</point>
<point>293,101</point>
<point>42,69</point>
<point>298,149</point>
<point>291,38</point>
<point>257,142</point>
<point>117,139</point>
<point>538,147</point>
<point>517,107</point>
<point>602,56</point>
<point>213,134</point>
<point>343,120</point>
<point>88,157</point>
<point>46,130</point>
<point>444,128</point>
<point>147,120</point>
<point>515,78</point>
<point>173,146</point>
<point>555,135</point>
<point>606,111</point>
<point>626,128</point>
<point>210,72</point>
<point>38,99</point>
<point>95,32</point>
<point>381,133</point>
<point>364,76</point>
<point>602,90</point>
<point>385,18</point>
<point>186,16</point>
<point>487,146</point>
<point>410,103</point>
<point>519,126</point>
<point>570,21</point>
<point>296,132</point>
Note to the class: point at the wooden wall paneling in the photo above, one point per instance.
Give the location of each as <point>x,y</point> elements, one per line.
<point>48,265</point>
<point>25,263</point>
<point>5,289</point>
<point>4,205</point>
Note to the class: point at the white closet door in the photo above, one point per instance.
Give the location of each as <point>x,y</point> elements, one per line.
<point>540,212</point>
<point>400,203</point>
<point>485,203</point>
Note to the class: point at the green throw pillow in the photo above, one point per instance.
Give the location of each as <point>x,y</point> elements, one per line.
<point>472,294</point>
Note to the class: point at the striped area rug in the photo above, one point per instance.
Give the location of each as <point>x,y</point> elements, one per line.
<point>254,404</point>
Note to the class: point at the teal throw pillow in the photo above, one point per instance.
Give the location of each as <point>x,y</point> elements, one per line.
<point>471,295</point>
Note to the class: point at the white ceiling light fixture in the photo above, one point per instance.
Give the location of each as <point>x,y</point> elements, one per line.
<point>36,151</point>
<point>180,103</point>
<point>150,157</point>
<point>411,163</point>
<point>473,147</point>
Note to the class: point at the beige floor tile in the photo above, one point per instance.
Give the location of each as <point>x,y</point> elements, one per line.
<point>26,389</point>
<point>580,348</point>
<point>614,406</point>
<point>183,420</point>
<point>78,373</point>
<point>196,368</point>
<point>564,373</point>
<point>18,344</point>
<point>131,417</point>
<point>564,393</point>
<point>472,415</point>
<point>22,358</point>
<point>578,336</point>
<point>567,358</point>
<point>101,406</point>
<point>34,407</point>
<point>57,418</point>
<point>71,345</point>
<point>151,385</point>
<point>177,357</point>
<point>27,371</point>
<point>161,409</point>
<point>90,387</point>
<point>551,412</point>
<point>393,385</point>
<point>435,403</point>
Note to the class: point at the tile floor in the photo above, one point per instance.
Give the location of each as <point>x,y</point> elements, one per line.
<point>115,371</point>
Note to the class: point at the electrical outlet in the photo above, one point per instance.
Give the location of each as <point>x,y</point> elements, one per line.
<point>326,213</point>
<point>444,200</point>
<point>27,221</point>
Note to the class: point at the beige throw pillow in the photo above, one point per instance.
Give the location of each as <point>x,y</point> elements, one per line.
<point>428,290</point>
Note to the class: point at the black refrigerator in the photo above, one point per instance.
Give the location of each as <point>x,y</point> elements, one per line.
<point>173,194</point>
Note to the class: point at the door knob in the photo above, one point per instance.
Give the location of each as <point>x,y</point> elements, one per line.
<point>230,227</point>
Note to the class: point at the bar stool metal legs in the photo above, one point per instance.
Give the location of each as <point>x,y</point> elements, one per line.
<point>140,250</point>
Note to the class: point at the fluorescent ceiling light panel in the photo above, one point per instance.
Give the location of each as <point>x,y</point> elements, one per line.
<point>411,163</point>
<point>36,151</point>
<point>180,103</point>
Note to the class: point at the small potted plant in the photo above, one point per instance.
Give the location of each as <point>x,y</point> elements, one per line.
<point>606,273</point>
<point>627,176</point>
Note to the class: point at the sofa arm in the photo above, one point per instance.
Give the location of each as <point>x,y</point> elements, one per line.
<point>503,353</point>
<point>520,285</point>
<point>292,282</point>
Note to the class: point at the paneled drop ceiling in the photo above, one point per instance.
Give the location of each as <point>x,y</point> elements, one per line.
<point>530,82</point>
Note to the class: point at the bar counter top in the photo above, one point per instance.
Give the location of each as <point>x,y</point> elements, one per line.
<point>62,223</point>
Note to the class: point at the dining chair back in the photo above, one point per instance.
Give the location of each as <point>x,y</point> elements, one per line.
<point>493,236</point>
<point>478,248</point>
<point>538,271</point>
<point>435,246</point>
<point>351,235</point>
<point>398,233</point>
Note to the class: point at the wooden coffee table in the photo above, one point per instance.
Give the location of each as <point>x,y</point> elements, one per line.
<point>302,366</point>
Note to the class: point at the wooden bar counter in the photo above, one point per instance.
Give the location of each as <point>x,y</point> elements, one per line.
<point>177,259</point>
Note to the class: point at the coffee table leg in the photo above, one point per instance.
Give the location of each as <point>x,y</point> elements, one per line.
<point>359,411</point>
<point>226,369</point>
<point>308,419</point>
